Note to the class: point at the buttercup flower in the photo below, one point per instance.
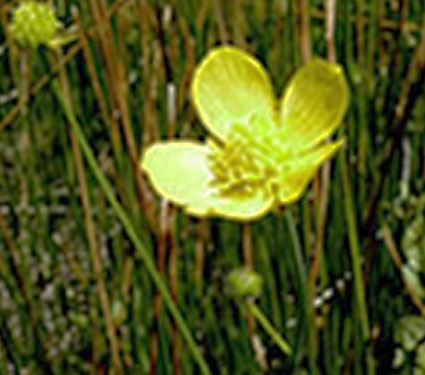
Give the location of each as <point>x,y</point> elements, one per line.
<point>34,23</point>
<point>263,152</point>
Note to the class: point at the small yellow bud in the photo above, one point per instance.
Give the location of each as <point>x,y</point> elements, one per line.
<point>244,282</point>
<point>33,24</point>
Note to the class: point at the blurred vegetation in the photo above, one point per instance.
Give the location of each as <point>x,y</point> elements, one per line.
<point>75,295</point>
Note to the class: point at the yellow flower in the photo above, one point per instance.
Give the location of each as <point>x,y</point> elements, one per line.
<point>263,152</point>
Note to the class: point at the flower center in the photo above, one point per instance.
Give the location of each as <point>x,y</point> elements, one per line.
<point>252,159</point>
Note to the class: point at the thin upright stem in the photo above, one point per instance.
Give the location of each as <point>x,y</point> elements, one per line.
<point>132,234</point>
<point>248,258</point>
<point>201,232</point>
<point>161,251</point>
<point>302,283</point>
<point>171,228</point>
<point>359,288</point>
<point>268,327</point>
<point>91,237</point>
<point>326,169</point>
<point>304,30</point>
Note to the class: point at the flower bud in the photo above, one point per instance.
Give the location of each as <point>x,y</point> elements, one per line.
<point>33,24</point>
<point>244,282</point>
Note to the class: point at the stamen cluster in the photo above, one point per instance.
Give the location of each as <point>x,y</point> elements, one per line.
<point>248,161</point>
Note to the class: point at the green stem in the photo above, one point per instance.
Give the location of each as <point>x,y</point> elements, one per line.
<point>132,233</point>
<point>268,327</point>
<point>305,299</point>
<point>359,288</point>
<point>354,249</point>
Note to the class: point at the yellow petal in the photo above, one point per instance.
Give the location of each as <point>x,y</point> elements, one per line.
<point>314,104</point>
<point>247,208</point>
<point>302,169</point>
<point>179,171</point>
<point>228,87</point>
